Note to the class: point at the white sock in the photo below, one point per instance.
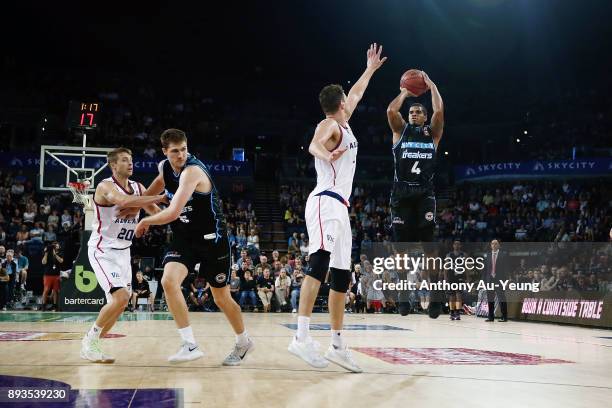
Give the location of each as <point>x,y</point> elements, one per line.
<point>303,327</point>
<point>187,335</point>
<point>242,339</point>
<point>337,340</point>
<point>94,332</point>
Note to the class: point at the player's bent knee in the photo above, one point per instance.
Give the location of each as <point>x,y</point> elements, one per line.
<point>319,265</point>
<point>339,279</point>
<point>121,297</point>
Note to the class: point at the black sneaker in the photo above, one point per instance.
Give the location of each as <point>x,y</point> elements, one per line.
<point>435,304</point>
<point>404,308</point>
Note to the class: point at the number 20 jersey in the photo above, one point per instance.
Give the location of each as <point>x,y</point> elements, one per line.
<point>414,157</point>
<point>108,230</point>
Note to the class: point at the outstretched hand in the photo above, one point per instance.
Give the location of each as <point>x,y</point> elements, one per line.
<point>374,60</point>
<point>427,80</point>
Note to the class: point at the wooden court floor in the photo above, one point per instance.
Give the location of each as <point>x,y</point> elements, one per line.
<point>408,362</point>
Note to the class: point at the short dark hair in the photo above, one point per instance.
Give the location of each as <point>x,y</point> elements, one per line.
<point>175,136</point>
<point>112,156</point>
<point>330,98</point>
<point>420,105</point>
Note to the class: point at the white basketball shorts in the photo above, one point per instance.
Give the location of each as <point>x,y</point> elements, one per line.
<point>329,229</point>
<point>113,269</point>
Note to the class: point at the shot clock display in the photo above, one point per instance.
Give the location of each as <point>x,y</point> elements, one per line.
<point>83,115</point>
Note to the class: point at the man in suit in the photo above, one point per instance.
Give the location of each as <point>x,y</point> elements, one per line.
<point>496,270</point>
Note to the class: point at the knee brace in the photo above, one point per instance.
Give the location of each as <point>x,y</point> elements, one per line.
<point>319,265</point>
<point>339,279</point>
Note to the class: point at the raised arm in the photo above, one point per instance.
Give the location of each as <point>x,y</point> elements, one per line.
<point>356,93</point>
<point>325,138</point>
<point>437,118</point>
<point>190,177</point>
<point>394,117</point>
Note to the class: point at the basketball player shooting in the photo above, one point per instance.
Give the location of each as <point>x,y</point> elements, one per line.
<point>334,148</point>
<point>198,236</point>
<point>109,246</point>
<point>413,204</point>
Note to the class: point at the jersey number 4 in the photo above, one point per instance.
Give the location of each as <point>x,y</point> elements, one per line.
<point>126,234</point>
<point>415,168</point>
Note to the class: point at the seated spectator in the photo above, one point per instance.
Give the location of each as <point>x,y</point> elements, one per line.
<point>235,284</point>
<point>66,217</point>
<point>23,234</point>
<point>296,286</point>
<point>265,289</point>
<point>293,244</point>
<point>50,234</point>
<point>282,288</point>
<point>53,219</point>
<point>304,247</point>
<point>200,293</point>
<point>141,290</point>
<point>247,290</point>
<point>253,239</point>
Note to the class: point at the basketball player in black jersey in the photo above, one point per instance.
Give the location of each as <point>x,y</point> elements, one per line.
<point>198,236</point>
<point>413,204</point>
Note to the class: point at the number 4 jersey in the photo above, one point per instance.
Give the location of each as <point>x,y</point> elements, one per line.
<point>414,157</point>
<point>108,229</point>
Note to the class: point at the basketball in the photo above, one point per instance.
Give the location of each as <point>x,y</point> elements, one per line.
<point>413,81</point>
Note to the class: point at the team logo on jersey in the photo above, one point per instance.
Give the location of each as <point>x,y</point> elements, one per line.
<point>416,155</point>
<point>397,220</point>
<point>115,274</point>
<point>330,238</point>
<point>429,216</point>
<point>426,131</point>
<point>220,278</point>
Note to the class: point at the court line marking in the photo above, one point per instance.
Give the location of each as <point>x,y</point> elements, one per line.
<point>221,368</point>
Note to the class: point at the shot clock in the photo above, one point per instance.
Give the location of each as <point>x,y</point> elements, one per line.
<point>83,115</point>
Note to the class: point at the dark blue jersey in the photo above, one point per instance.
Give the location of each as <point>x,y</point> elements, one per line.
<point>414,157</point>
<point>202,214</point>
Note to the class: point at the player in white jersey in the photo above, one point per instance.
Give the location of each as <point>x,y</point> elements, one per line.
<point>109,246</point>
<point>329,229</point>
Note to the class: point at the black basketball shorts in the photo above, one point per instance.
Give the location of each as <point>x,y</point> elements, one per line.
<point>413,215</point>
<point>213,257</point>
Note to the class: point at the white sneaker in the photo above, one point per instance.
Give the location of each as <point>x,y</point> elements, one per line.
<point>343,358</point>
<point>90,350</point>
<point>308,351</point>
<point>187,352</point>
<point>238,354</point>
<point>294,311</point>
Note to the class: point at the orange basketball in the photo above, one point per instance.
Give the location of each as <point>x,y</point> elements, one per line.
<point>413,81</point>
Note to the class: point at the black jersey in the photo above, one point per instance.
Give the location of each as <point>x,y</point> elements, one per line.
<point>414,157</point>
<point>202,214</point>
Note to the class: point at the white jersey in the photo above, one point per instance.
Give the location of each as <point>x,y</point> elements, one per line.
<point>109,231</point>
<point>337,177</point>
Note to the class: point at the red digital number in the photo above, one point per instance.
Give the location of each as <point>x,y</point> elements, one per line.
<point>90,116</point>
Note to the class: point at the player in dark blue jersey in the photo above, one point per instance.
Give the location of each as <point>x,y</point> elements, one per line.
<point>413,204</point>
<point>198,236</point>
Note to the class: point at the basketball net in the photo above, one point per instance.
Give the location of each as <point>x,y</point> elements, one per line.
<point>80,196</point>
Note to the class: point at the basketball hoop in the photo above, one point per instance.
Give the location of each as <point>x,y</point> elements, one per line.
<point>79,192</point>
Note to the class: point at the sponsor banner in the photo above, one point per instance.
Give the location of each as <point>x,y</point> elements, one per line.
<point>535,169</point>
<point>81,292</point>
<point>31,161</point>
<point>583,308</point>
